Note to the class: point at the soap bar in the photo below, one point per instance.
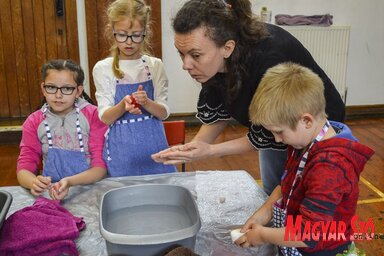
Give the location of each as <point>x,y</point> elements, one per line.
<point>236,234</point>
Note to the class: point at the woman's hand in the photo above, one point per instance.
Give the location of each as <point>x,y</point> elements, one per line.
<point>40,184</point>
<point>60,189</point>
<point>183,153</point>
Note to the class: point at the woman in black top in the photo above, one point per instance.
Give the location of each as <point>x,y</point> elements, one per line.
<point>225,47</point>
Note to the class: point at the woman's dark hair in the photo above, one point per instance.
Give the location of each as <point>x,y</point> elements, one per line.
<point>224,20</point>
<point>70,65</point>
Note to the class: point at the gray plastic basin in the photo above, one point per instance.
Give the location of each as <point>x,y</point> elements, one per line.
<point>148,219</point>
<point>5,203</point>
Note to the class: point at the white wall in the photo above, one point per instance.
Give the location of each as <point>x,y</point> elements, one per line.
<point>183,90</point>
<point>365,71</point>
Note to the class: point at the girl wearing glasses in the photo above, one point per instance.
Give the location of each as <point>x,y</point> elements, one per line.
<point>66,132</point>
<point>131,92</point>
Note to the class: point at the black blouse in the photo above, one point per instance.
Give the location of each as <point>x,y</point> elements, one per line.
<point>279,47</point>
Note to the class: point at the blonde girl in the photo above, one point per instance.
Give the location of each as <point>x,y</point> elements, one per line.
<point>131,91</point>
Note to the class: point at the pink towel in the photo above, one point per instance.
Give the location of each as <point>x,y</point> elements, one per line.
<point>45,228</point>
<point>318,20</point>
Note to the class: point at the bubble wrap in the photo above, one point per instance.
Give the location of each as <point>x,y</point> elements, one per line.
<point>225,201</point>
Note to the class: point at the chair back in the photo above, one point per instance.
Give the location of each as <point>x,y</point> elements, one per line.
<point>175,132</point>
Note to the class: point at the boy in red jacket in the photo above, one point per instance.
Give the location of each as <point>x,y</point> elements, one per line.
<point>320,182</point>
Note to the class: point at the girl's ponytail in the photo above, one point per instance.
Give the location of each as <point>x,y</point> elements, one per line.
<point>115,64</point>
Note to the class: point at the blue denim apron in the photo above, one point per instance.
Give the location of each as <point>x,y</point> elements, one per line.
<point>132,139</point>
<point>279,214</point>
<point>62,163</point>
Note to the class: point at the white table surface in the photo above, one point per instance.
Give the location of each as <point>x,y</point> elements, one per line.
<point>225,200</point>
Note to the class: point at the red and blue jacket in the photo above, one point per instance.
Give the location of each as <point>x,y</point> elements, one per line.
<point>328,189</point>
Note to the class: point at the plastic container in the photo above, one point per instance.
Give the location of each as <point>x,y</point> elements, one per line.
<point>5,203</point>
<point>149,219</point>
<point>265,15</point>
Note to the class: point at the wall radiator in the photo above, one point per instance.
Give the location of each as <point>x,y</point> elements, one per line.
<point>329,47</point>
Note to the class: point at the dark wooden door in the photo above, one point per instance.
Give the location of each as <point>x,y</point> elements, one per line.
<point>34,31</point>
<point>31,32</point>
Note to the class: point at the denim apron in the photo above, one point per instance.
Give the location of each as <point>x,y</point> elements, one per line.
<point>62,163</point>
<point>279,214</point>
<point>132,139</point>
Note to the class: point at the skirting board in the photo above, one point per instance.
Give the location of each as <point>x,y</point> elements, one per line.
<point>352,112</point>
<point>11,133</point>
<point>362,112</point>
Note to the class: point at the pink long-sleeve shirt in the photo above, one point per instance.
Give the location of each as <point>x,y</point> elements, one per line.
<point>34,142</point>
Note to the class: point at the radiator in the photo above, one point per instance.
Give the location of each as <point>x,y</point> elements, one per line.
<point>329,47</point>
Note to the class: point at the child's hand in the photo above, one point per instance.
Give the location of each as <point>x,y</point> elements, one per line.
<point>40,184</point>
<point>60,189</point>
<point>252,237</point>
<point>236,234</point>
<point>134,102</point>
<point>130,103</point>
<point>140,96</point>
<point>260,217</point>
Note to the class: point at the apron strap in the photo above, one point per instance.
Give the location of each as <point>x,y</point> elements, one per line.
<point>47,130</point>
<point>303,160</point>
<point>78,128</point>
<point>133,120</point>
<point>146,68</point>
<point>107,143</point>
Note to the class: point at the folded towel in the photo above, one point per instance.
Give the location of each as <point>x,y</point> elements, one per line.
<point>319,20</point>
<point>45,228</point>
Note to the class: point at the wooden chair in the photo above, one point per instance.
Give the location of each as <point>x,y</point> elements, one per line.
<point>175,133</point>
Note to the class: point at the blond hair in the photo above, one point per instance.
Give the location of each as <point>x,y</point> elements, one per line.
<point>285,92</point>
<point>134,10</point>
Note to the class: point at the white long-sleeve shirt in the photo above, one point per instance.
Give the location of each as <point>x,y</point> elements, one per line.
<point>134,70</point>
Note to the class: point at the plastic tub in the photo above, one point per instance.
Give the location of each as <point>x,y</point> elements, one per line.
<point>5,203</point>
<point>148,219</point>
